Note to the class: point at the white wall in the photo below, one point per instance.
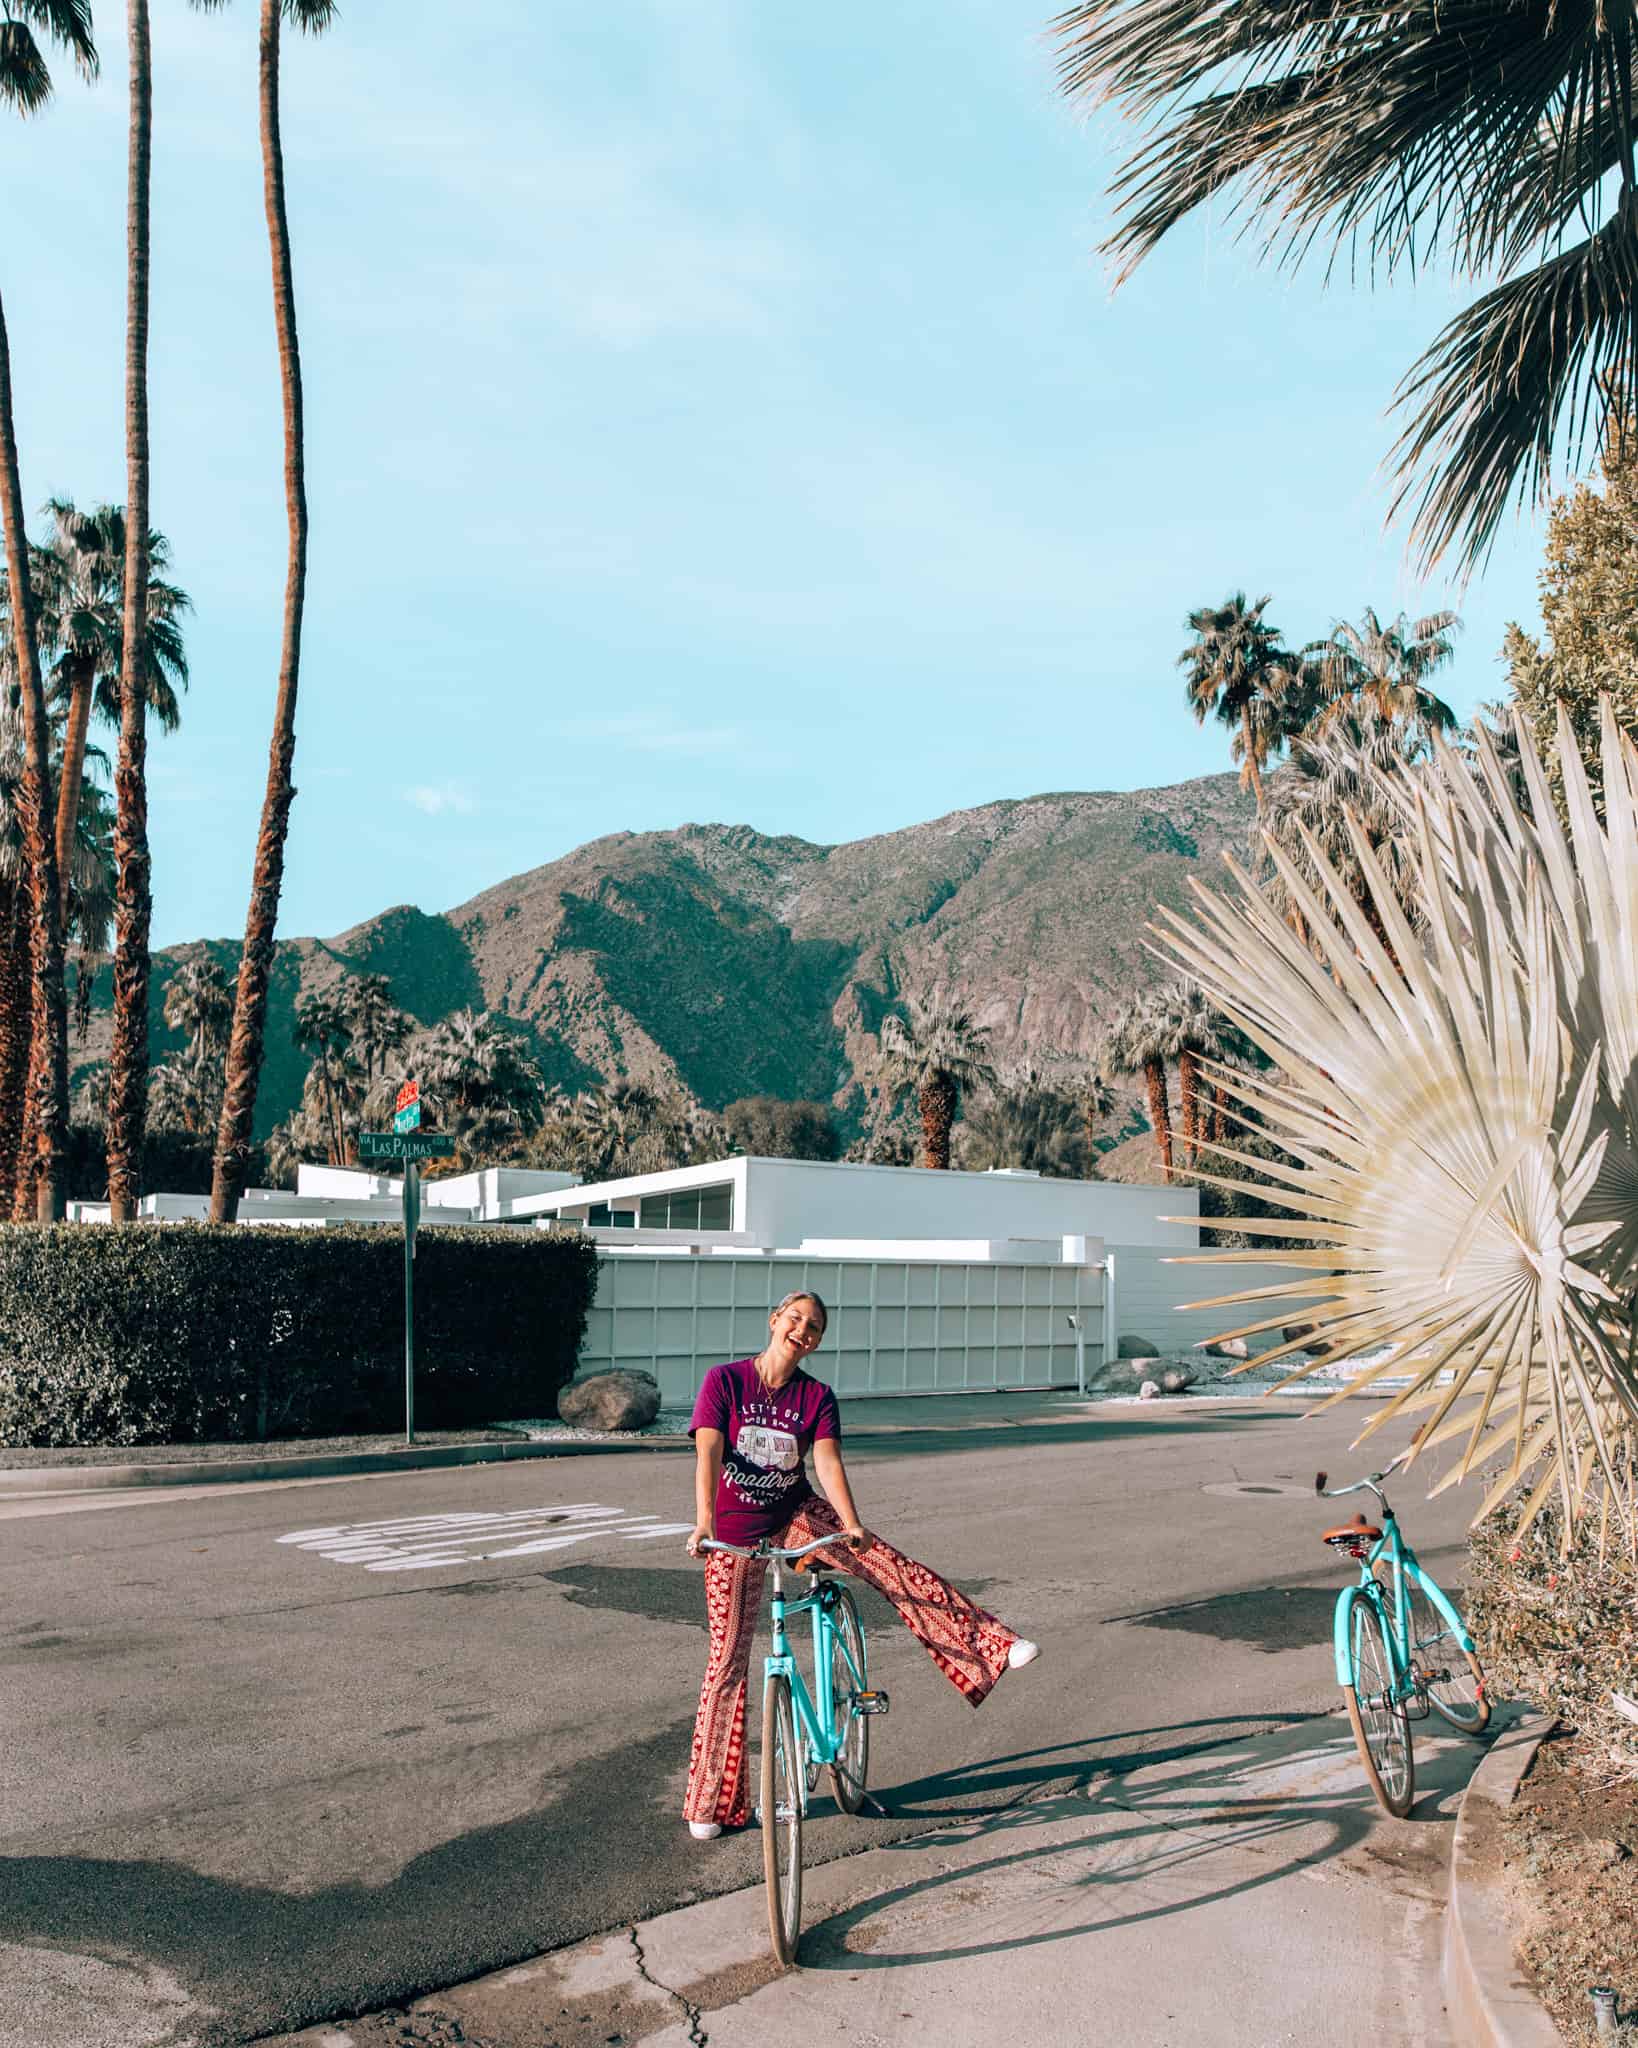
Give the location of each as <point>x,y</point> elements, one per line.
<point>1150,1295</point>
<point>895,1327</point>
<point>792,1200</point>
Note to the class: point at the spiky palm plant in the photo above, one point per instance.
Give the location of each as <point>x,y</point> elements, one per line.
<point>1497,136</point>
<point>1463,1114</point>
<point>939,1050</point>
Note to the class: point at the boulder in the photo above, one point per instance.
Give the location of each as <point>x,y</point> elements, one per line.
<point>1176,1380</point>
<point>1232,1347</point>
<point>1137,1347</point>
<point>622,1399</point>
<point>1294,1333</point>
<point>1148,1391</point>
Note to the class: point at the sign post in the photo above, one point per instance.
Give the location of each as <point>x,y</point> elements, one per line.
<point>406,1142</point>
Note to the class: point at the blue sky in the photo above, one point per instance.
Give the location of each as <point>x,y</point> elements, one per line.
<point>716,411</point>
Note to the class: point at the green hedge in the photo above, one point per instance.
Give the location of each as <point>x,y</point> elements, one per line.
<point>1560,1632</point>
<point>188,1333</point>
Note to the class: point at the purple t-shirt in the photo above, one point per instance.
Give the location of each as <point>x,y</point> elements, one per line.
<point>767,1434</point>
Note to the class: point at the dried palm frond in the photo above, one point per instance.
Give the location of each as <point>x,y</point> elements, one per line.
<point>1460,1095</point>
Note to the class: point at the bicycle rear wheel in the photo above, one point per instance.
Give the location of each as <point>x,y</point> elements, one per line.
<point>1459,1697</point>
<point>848,1677</point>
<point>781,1817</point>
<point>1380,1727</point>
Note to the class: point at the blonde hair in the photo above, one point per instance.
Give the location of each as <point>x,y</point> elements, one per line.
<point>805,1294</point>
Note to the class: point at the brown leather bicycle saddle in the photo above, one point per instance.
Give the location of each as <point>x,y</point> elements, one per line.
<point>1350,1533</point>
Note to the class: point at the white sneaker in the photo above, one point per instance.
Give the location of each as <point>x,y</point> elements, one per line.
<point>1022,1652</point>
<point>705,1830</point>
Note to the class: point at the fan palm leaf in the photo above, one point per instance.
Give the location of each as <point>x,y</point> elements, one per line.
<point>1460,1106</point>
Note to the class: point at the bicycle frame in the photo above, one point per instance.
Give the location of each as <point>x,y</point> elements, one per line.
<point>1393,1604</point>
<point>816,1715</point>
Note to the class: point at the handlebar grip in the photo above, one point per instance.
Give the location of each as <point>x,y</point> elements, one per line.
<point>1319,1481</point>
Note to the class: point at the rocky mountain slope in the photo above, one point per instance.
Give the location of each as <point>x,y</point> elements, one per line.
<point>740,964</point>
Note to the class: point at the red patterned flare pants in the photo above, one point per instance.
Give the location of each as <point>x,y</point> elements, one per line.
<point>969,1646</point>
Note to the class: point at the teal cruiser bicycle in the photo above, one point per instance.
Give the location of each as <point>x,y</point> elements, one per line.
<point>804,1733</point>
<point>1401,1648</point>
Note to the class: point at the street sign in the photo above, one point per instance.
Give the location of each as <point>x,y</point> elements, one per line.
<point>410,1092</point>
<point>401,1145</point>
<point>407,1119</point>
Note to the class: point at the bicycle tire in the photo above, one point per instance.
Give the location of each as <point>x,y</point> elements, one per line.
<point>781,1818</point>
<point>1460,1700</point>
<point>852,1766</point>
<point>1381,1729</point>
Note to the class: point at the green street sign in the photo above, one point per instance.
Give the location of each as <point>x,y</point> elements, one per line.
<point>407,1119</point>
<point>396,1145</point>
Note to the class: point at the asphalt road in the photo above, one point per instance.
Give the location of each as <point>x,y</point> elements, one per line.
<point>282,1753</point>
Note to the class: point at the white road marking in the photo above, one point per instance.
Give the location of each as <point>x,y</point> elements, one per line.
<point>419,1543</point>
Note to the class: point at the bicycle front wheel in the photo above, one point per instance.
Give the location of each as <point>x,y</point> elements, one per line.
<point>1378,1716</point>
<point>1459,1696</point>
<point>781,1817</point>
<point>847,1680</point>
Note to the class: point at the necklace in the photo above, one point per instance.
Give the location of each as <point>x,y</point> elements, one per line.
<point>772,1385</point>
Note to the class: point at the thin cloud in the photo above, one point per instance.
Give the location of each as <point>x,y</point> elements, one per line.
<point>437,801</point>
<point>643,733</point>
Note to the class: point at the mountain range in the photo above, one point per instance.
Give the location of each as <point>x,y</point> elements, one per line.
<point>742,964</point>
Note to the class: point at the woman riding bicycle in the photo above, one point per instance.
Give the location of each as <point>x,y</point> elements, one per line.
<point>753,1424</point>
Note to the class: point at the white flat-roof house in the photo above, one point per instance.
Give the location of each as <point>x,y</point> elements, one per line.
<point>794,1204</point>
<point>936,1282</point>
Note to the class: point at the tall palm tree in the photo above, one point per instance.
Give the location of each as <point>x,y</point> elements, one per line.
<point>1388,666</point>
<point>481,1083</point>
<point>939,1051</point>
<point>1138,1042</point>
<point>81,579</point>
<point>1342,782</point>
<point>244,1065</point>
<point>1097,1103</point>
<point>377,1027</point>
<point>323,1030</point>
<point>1239,673</point>
<point>1495,135</point>
<point>25,85</point>
<point>133,915</point>
<point>16,998</point>
<point>1193,1031</point>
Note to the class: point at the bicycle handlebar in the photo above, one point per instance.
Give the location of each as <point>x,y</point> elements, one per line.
<point>765,1550</point>
<point>1374,1482</point>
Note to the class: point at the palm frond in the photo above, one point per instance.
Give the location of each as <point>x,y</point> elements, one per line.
<point>1460,1104</point>
<point>1521,376</point>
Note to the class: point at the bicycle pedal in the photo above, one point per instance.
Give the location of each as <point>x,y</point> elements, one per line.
<point>870,1703</point>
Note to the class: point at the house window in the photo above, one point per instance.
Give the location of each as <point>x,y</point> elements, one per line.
<point>710,1208</point>
<point>601,1217</point>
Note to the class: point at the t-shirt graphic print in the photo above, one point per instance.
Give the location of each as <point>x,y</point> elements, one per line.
<point>767,1433</point>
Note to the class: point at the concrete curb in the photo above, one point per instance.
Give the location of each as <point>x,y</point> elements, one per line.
<point>1490,2004</point>
<point>335,1465</point>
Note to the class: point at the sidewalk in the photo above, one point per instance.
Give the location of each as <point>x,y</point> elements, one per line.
<point>1246,1897</point>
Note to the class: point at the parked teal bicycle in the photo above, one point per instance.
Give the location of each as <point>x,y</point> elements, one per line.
<point>1401,1649</point>
<point>804,1733</point>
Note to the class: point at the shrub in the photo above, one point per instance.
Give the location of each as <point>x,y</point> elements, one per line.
<point>189,1333</point>
<point>770,1129</point>
<point>1559,1630</point>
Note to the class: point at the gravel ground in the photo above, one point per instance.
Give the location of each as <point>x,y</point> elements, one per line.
<point>1572,1857</point>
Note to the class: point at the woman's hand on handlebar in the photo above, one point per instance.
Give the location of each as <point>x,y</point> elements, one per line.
<point>704,1532</point>
<point>857,1538</point>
